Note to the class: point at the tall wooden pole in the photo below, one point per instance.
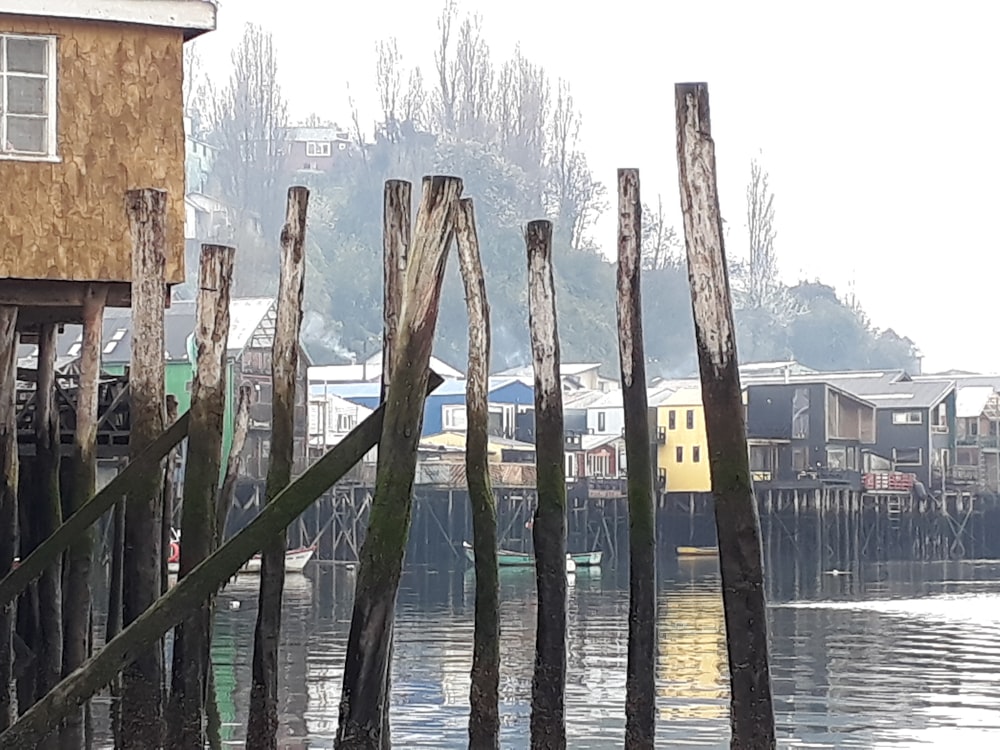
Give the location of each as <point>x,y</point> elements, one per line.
<point>389,518</point>
<point>640,681</point>
<point>142,680</point>
<point>262,727</point>
<point>47,513</point>
<point>397,212</point>
<point>740,557</point>
<point>8,499</point>
<point>76,597</point>
<point>484,694</point>
<point>241,426</point>
<point>202,469</point>
<point>548,688</point>
<point>198,585</point>
<point>169,498</point>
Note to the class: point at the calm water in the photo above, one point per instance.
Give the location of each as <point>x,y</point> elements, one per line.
<point>887,656</point>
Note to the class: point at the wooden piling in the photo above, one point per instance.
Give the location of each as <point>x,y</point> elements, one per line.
<point>142,681</point>
<point>484,695</point>
<point>202,469</point>
<point>381,557</point>
<point>397,214</point>
<point>262,726</point>
<point>169,499</point>
<point>548,687</point>
<point>640,681</point>
<point>199,584</point>
<point>46,512</point>
<point>8,500</point>
<point>740,557</point>
<point>77,596</point>
<point>241,426</point>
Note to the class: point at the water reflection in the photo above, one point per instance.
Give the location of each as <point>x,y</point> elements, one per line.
<point>885,656</point>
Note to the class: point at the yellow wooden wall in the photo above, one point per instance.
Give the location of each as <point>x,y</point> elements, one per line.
<point>120,126</point>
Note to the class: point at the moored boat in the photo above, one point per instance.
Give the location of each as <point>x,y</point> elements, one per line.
<point>697,551</point>
<point>509,559</point>
<point>295,559</point>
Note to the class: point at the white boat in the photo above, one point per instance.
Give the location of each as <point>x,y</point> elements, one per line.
<point>295,560</point>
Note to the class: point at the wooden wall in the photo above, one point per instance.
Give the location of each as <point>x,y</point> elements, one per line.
<point>120,126</point>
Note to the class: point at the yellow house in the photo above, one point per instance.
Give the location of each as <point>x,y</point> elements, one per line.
<point>683,455</point>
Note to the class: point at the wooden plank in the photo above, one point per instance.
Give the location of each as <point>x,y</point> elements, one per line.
<point>737,522</point>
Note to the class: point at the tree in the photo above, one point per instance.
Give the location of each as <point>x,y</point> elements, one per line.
<point>248,117</point>
<point>661,245</point>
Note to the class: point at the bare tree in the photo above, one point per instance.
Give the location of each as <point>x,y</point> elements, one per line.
<point>474,83</point>
<point>757,286</point>
<point>248,117</point>
<point>447,69</point>
<point>389,82</point>
<point>574,194</point>
<point>661,244</point>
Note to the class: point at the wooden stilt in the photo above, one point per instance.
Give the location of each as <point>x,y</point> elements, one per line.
<point>8,500</point>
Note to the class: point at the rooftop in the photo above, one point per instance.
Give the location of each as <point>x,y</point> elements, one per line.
<point>194,17</point>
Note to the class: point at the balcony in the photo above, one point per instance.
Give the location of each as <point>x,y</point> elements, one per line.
<point>661,435</point>
<point>980,441</point>
<point>960,474</point>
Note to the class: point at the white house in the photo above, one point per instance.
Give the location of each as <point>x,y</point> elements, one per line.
<point>331,418</point>
<point>606,415</point>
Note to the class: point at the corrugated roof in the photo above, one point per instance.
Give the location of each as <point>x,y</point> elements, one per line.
<point>970,401</point>
<point>590,442</point>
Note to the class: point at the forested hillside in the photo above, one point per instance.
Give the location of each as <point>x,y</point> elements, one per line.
<point>512,134</point>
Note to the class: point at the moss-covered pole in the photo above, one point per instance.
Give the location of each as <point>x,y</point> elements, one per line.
<point>46,513</point>
<point>198,585</point>
<point>262,727</point>
<point>169,499</point>
<point>397,230</point>
<point>740,557</point>
<point>8,500</point>
<point>77,593</point>
<point>132,476</point>
<point>203,465</point>
<point>484,694</point>
<point>640,680</point>
<point>548,687</point>
<point>142,681</point>
<point>382,553</point>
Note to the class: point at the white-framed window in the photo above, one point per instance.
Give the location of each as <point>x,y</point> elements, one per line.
<point>598,465</point>
<point>27,97</point>
<point>314,148</point>
<point>908,456</point>
<point>907,417</point>
<point>453,417</point>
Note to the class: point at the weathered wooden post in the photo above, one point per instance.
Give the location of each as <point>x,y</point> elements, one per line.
<point>169,498</point>
<point>142,680</point>
<point>389,518</point>
<point>46,513</point>
<point>241,426</point>
<point>548,715</point>
<point>640,681</point>
<point>76,596</point>
<point>262,726</point>
<point>397,213</point>
<point>200,584</point>
<point>740,557</point>
<point>8,499</point>
<point>203,466</point>
<point>484,694</point>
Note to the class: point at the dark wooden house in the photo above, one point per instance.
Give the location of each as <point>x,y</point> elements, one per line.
<point>806,435</point>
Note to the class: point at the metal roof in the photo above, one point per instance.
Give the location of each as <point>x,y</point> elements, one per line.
<point>970,401</point>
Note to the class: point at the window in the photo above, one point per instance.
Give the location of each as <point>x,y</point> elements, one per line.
<point>800,459</point>
<point>598,465</point>
<point>453,417</point>
<point>763,458</point>
<point>690,419</point>
<point>672,420</point>
<point>570,465</point>
<point>317,149</point>
<point>907,417</point>
<point>27,96</point>
<point>679,452</point>
<point>602,421</point>
<point>908,456</point>
<point>800,414</point>
<point>345,422</point>
<point>836,458</point>
<point>696,454</point>
<point>974,426</point>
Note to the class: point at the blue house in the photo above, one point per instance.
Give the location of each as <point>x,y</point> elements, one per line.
<point>445,407</point>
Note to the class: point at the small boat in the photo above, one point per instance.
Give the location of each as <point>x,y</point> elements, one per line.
<point>697,551</point>
<point>295,560</point>
<point>508,559</point>
<point>588,559</point>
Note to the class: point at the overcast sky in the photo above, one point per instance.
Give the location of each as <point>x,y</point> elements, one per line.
<point>878,122</point>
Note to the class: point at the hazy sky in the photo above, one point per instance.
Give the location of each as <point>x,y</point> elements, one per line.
<point>879,124</point>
